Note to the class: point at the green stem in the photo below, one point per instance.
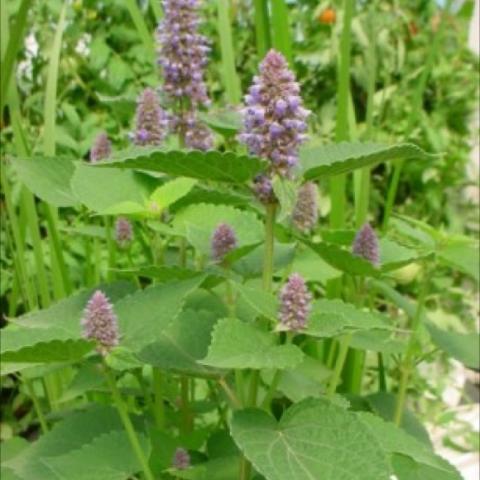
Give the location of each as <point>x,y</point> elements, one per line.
<point>127,423</point>
<point>159,405</point>
<point>112,251</point>
<point>262,27</point>
<point>36,405</point>
<point>230,394</point>
<point>269,247</point>
<point>382,377</point>
<point>337,371</point>
<point>408,363</point>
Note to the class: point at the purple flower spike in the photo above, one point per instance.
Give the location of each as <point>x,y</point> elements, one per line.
<point>102,148</point>
<point>295,302</point>
<point>182,55</point>
<point>263,189</point>
<point>366,245</point>
<point>274,118</point>
<point>123,232</point>
<point>305,214</point>
<point>100,323</point>
<point>152,122</point>
<point>224,241</point>
<point>181,459</point>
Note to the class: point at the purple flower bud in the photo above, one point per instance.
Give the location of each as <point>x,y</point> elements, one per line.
<point>102,148</point>
<point>295,302</point>
<point>263,189</point>
<point>181,459</point>
<point>224,241</point>
<point>100,323</point>
<point>366,245</point>
<point>274,135</point>
<point>305,213</point>
<point>152,122</point>
<point>123,232</point>
<point>182,53</point>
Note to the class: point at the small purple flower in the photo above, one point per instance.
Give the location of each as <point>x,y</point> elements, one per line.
<point>181,459</point>
<point>366,245</point>
<point>274,118</point>
<point>295,302</point>
<point>102,148</point>
<point>100,323</point>
<point>151,122</point>
<point>305,213</point>
<point>224,241</point>
<point>123,232</point>
<point>263,189</point>
<point>182,54</point>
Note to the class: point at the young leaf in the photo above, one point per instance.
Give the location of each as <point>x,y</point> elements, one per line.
<point>327,160</point>
<point>48,178</point>
<point>239,345</point>
<point>314,439</point>
<point>212,165</point>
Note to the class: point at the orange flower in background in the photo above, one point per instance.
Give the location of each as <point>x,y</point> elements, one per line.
<point>327,16</point>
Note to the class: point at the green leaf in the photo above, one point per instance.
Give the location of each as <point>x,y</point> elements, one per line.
<point>393,255</point>
<point>224,122</point>
<point>393,441</point>
<point>327,160</point>
<point>334,317</point>
<point>181,343</point>
<point>377,340</point>
<point>344,260</point>
<point>286,193</point>
<point>225,468</point>
<point>157,306</point>
<point>198,223</point>
<point>464,347</point>
<point>103,190</point>
<point>170,192</point>
<point>48,178</point>
<point>312,267</point>
<point>239,345</point>
<point>212,165</point>
<point>87,378</point>
<point>261,302</point>
<point>463,256</point>
<point>314,439</point>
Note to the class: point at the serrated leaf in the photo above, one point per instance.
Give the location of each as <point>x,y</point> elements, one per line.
<point>106,190</point>
<point>181,343</point>
<point>170,192</point>
<point>107,457</point>
<point>314,439</point>
<point>327,160</point>
<point>212,165</point>
<point>393,441</point>
<point>198,223</point>
<point>261,302</point>
<point>344,260</point>
<point>87,378</point>
<point>48,178</point>
<point>239,345</point>
<point>334,317</point>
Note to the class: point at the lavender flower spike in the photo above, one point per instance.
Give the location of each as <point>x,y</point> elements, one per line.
<point>181,459</point>
<point>102,148</point>
<point>152,122</point>
<point>224,241</point>
<point>366,245</point>
<point>295,300</point>
<point>183,52</point>
<point>263,189</point>
<point>305,213</point>
<point>100,323</point>
<point>123,232</point>
<point>274,118</point>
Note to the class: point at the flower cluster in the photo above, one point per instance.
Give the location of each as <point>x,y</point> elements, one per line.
<point>196,135</point>
<point>224,241</point>
<point>181,459</point>
<point>183,52</point>
<point>263,189</point>
<point>366,245</point>
<point>100,323</point>
<point>274,118</point>
<point>295,300</point>
<point>123,232</point>
<point>305,213</point>
<point>151,121</point>
<point>102,148</point>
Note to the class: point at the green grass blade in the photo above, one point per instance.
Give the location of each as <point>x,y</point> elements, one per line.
<point>262,27</point>
<point>232,82</point>
<point>156,7</point>
<point>14,44</point>
<point>281,35</point>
